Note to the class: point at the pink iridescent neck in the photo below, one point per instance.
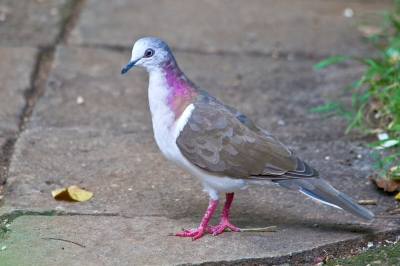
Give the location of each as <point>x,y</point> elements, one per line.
<point>182,90</point>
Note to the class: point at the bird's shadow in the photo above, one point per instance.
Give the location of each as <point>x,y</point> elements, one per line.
<point>287,221</point>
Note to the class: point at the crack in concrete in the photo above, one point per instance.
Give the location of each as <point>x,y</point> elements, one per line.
<point>69,13</point>
<point>5,155</point>
<point>282,55</point>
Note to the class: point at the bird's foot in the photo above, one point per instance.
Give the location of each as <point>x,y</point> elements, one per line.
<point>198,232</point>
<point>194,233</point>
<point>218,229</point>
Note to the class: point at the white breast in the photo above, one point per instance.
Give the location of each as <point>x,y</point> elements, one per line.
<point>164,124</point>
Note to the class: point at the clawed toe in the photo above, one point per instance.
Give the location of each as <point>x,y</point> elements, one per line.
<point>194,233</point>
<point>218,229</point>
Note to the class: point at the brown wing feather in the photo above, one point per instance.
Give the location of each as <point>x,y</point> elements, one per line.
<point>221,140</point>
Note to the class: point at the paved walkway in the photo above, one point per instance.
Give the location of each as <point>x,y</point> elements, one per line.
<point>257,56</point>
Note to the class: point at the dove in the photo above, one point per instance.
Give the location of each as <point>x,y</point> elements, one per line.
<point>221,146</point>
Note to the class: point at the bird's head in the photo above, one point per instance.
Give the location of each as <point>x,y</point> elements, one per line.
<point>148,52</point>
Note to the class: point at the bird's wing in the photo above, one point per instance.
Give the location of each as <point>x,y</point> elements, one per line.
<point>221,140</point>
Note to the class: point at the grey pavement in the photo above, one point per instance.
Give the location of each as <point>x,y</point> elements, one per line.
<point>256,56</point>
<point>16,70</point>
<point>32,23</point>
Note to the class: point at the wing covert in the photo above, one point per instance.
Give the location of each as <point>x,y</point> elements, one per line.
<point>221,140</point>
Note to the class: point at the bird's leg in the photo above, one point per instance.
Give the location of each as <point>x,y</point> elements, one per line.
<point>224,223</point>
<point>198,232</point>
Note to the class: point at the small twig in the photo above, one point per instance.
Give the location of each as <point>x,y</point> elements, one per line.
<point>367,202</point>
<point>69,241</point>
<point>394,211</point>
<point>227,229</point>
<point>262,229</point>
<point>391,212</point>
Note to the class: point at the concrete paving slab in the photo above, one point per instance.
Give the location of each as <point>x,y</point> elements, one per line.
<point>139,181</point>
<point>306,26</point>
<point>31,23</point>
<point>111,102</point>
<point>17,66</point>
<point>143,240</point>
<point>55,158</point>
<point>266,89</point>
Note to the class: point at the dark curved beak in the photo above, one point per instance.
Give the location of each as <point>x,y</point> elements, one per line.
<point>128,66</point>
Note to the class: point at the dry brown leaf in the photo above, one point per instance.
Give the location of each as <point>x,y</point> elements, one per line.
<point>387,184</point>
<point>72,193</point>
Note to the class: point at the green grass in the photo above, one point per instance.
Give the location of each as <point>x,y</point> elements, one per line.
<point>389,255</point>
<point>375,101</point>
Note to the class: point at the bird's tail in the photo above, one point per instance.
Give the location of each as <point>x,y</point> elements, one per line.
<point>320,190</point>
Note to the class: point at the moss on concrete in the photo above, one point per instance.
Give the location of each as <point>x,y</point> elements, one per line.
<point>8,218</point>
<point>389,255</point>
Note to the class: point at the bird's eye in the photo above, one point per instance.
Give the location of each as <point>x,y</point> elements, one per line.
<point>149,53</point>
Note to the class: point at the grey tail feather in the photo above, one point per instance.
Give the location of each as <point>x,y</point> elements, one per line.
<point>320,190</point>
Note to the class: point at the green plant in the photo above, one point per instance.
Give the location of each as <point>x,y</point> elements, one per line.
<point>375,101</point>
<point>383,255</point>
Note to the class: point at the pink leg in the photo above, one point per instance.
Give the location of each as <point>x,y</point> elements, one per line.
<point>198,232</point>
<point>218,229</point>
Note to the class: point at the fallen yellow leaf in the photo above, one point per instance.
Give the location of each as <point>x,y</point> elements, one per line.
<point>61,194</point>
<point>78,194</point>
<point>57,192</point>
<point>72,193</point>
<point>398,196</point>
